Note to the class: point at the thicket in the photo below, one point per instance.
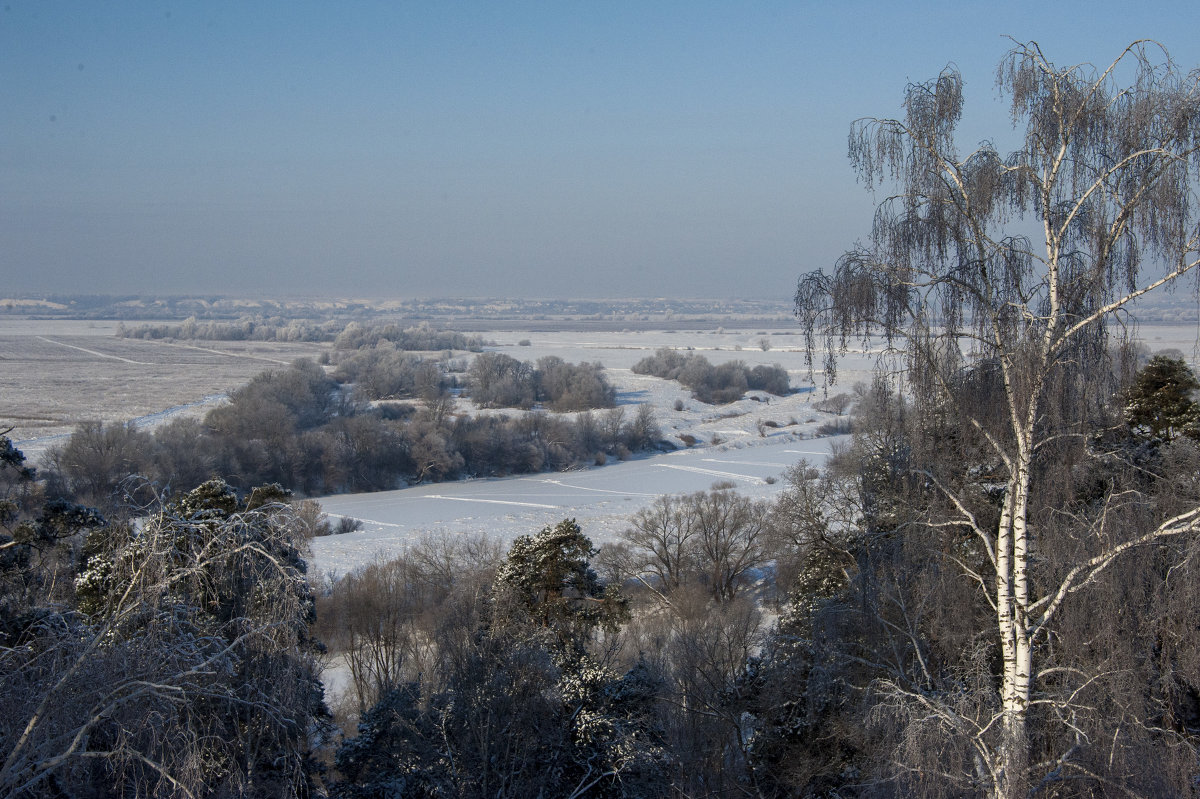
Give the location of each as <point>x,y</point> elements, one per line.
<point>299,428</point>
<point>501,381</point>
<point>715,385</point>
<point>169,657</point>
<point>552,669</point>
<point>504,671</point>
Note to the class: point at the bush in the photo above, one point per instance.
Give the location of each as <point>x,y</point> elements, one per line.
<point>347,524</point>
<point>500,381</point>
<point>771,379</point>
<point>838,404</point>
<point>837,427</point>
<point>573,387</point>
<point>715,385</point>
<point>383,372</point>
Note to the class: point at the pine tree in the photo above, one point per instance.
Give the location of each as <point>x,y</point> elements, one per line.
<point>1160,404</point>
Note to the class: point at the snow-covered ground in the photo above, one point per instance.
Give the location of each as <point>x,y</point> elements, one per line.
<point>749,443</point>
<point>731,446</point>
<point>600,498</point>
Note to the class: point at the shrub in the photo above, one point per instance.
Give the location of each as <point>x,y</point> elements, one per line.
<point>837,427</point>
<point>771,379</point>
<point>838,404</point>
<point>714,384</point>
<point>347,524</point>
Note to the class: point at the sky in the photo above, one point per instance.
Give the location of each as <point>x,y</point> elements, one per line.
<point>478,149</point>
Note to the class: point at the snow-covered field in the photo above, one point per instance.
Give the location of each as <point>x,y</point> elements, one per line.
<point>56,373</point>
<point>729,445</point>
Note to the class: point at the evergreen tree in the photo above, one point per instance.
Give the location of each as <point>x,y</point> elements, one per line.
<point>549,577</point>
<point>1160,404</point>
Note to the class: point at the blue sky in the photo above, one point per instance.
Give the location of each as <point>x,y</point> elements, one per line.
<point>396,149</point>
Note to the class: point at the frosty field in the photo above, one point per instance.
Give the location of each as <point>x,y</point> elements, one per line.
<point>57,373</point>
<point>54,374</point>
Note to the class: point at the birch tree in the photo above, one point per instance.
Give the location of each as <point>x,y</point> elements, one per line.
<point>1021,267</point>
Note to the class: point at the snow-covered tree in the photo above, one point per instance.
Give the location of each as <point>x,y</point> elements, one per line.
<point>1006,271</point>
<point>181,666</point>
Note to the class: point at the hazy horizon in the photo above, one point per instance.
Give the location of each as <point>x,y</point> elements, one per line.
<point>475,150</point>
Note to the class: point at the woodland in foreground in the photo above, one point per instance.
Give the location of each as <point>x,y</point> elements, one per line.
<point>179,655</point>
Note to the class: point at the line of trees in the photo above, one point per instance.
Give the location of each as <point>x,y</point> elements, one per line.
<point>493,380</point>
<point>419,338</point>
<point>344,335</point>
<point>299,428</point>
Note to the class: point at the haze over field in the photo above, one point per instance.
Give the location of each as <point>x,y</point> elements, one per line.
<point>612,149</point>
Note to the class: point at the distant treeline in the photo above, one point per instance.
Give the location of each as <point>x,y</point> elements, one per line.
<point>346,336</point>
<point>299,428</point>
<point>714,385</point>
<point>420,338</point>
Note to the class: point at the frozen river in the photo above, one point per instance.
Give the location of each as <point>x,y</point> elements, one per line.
<point>600,498</point>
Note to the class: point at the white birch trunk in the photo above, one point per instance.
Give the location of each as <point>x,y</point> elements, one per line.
<point>1012,592</point>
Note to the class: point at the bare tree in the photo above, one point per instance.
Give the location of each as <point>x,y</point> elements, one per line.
<point>98,456</point>
<point>384,647</point>
<point>732,537</point>
<point>661,537</point>
<point>953,280</point>
<point>713,538</point>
